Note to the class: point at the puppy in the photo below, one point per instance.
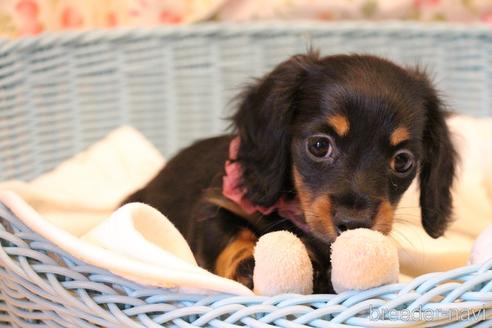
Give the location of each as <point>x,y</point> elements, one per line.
<point>319,146</point>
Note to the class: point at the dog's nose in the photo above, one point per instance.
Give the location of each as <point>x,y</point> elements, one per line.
<point>352,211</point>
<point>348,224</point>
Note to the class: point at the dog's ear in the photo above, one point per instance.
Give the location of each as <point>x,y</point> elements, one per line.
<point>437,166</point>
<point>262,124</point>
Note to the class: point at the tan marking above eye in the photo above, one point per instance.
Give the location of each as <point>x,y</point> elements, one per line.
<point>340,124</point>
<point>399,135</point>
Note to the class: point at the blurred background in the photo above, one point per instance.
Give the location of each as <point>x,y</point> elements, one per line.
<point>30,17</point>
<point>60,94</point>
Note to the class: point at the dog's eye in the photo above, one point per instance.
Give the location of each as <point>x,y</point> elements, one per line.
<point>403,161</point>
<point>320,146</point>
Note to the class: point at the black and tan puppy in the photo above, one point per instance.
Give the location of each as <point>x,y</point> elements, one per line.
<point>320,145</point>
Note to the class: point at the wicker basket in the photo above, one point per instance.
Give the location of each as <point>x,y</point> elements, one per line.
<point>61,92</point>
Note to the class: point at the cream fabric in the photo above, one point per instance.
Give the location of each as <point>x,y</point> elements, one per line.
<point>73,206</point>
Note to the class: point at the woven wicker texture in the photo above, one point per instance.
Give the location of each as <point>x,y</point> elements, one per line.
<point>61,92</point>
<point>40,284</point>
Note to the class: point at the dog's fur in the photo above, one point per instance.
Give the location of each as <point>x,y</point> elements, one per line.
<point>367,107</point>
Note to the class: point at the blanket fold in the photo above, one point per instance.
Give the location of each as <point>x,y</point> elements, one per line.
<point>74,205</point>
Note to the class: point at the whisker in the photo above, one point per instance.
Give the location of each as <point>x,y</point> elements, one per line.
<point>409,215</point>
<point>403,222</point>
<point>402,236</point>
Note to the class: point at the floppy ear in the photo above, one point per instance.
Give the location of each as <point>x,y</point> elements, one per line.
<point>437,168</point>
<point>262,124</point>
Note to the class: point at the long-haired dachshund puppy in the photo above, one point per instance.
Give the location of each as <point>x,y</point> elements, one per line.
<point>320,145</point>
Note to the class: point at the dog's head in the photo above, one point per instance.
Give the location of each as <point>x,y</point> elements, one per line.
<point>346,135</point>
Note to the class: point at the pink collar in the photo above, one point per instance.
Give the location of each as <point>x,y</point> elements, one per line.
<point>232,190</point>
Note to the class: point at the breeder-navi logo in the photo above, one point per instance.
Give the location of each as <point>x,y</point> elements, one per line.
<point>421,314</point>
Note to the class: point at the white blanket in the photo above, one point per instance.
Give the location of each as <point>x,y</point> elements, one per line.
<point>73,206</point>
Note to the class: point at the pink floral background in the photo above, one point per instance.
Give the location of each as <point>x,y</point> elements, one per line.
<point>29,17</point>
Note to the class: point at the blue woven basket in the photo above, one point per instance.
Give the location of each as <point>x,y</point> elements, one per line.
<point>61,92</point>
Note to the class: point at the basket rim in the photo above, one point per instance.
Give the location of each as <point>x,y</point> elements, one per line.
<point>228,29</point>
<point>471,286</point>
